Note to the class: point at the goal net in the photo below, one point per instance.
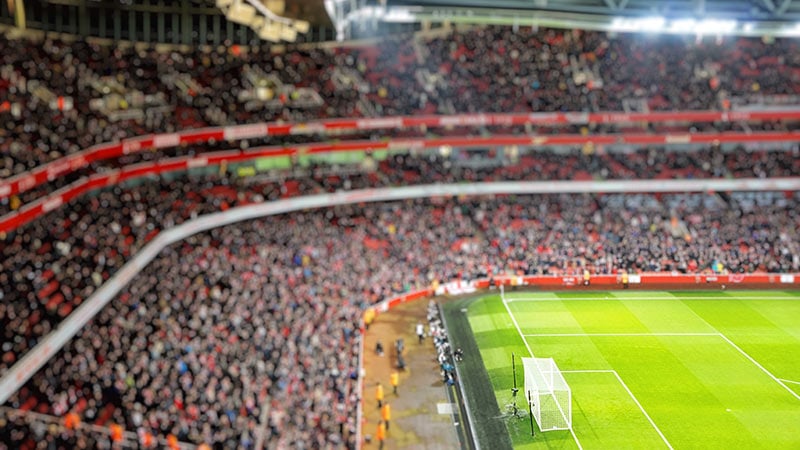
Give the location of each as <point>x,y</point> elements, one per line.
<point>548,394</point>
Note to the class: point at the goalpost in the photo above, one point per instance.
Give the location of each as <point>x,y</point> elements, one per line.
<point>548,394</point>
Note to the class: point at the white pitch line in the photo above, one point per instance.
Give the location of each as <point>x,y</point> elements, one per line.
<point>633,397</point>
<point>789,381</point>
<point>730,342</point>
<point>739,349</point>
<point>658,430</point>
<point>616,334</point>
<point>557,299</point>
<point>516,324</point>
<point>588,371</point>
<point>530,352</point>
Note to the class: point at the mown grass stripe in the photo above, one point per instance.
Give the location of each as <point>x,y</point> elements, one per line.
<point>689,388</point>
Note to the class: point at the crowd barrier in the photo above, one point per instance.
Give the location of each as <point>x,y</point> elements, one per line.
<point>50,171</point>
<point>644,281</point>
<point>42,205</point>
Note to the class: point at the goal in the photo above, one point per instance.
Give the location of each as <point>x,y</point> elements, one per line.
<point>548,394</point>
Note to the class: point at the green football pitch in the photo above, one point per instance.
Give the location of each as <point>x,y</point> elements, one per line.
<point>647,370</point>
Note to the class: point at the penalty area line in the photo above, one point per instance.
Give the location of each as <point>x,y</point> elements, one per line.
<point>633,397</point>
<point>588,371</point>
<point>635,400</point>
<point>756,363</point>
<point>516,324</point>
<point>616,334</point>
<point>789,381</point>
<point>714,298</point>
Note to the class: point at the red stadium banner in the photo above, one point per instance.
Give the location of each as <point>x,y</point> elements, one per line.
<point>643,281</point>
<point>64,195</point>
<point>48,172</point>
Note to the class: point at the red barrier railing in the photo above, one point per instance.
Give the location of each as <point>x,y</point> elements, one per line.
<point>652,281</point>
<point>48,172</point>
<point>655,280</point>
<point>64,195</point>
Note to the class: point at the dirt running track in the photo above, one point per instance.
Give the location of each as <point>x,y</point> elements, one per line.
<point>416,423</point>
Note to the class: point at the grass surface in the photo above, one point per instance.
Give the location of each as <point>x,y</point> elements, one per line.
<point>700,370</point>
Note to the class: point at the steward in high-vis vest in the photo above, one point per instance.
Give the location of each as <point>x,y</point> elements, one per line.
<point>379,394</point>
<point>381,434</point>
<point>394,379</point>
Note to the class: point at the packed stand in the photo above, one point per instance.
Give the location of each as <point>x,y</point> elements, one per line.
<point>25,432</point>
<point>176,354</point>
<point>307,275</point>
<point>501,69</point>
<point>58,97</point>
<point>51,265</point>
<point>530,165</point>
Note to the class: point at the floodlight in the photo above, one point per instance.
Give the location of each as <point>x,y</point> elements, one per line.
<point>241,13</point>
<point>302,26</point>
<point>683,26</point>
<point>652,24</point>
<point>258,22</point>
<point>271,32</point>
<point>715,26</point>
<point>649,24</point>
<point>288,34</point>
<point>398,15</point>
<point>792,31</point>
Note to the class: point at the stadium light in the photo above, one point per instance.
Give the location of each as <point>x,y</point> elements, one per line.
<point>270,32</point>
<point>267,12</point>
<point>268,25</point>
<point>241,13</point>
<point>682,26</point>
<point>302,26</point>
<point>258,22</point>
<point>288,34</point>
<point>648,24</point>
<point>399,15</point>
<point>715,26</point>
<point>792,31</point>
<point>728,24</point>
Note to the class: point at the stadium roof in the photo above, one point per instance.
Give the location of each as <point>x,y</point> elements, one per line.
<point>773,10</point>
<point>712,17</point>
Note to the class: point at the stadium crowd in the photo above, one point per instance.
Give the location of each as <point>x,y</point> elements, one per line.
<point>53,264</point>
<point>265,314</point>
<point>57,97</point>
<point>250,332</point>
<point>531,165</point>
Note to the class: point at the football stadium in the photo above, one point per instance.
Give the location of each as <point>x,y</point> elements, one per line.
<point>399,224</point>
